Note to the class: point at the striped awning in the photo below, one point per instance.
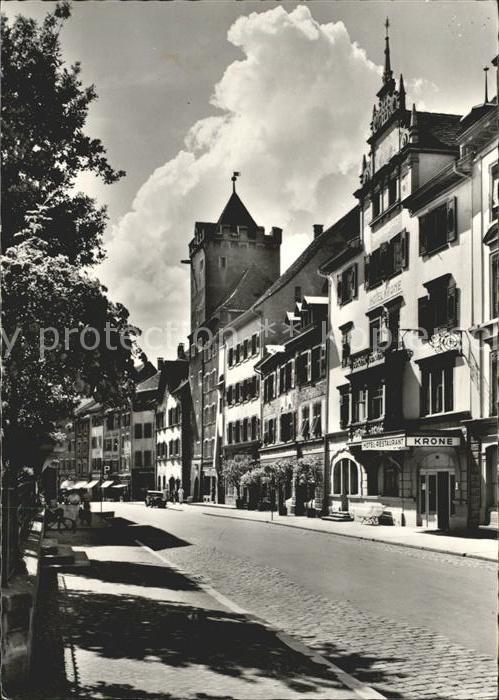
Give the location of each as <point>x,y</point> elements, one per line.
<point>119,486</point>
<point>106,484</point>
<point>80,485</point>
<point>67,484</point>
<point>91,484</point>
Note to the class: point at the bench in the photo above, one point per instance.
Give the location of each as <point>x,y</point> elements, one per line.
<point>368,513</point>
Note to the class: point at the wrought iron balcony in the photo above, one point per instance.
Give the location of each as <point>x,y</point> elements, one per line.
<point>373,357</point>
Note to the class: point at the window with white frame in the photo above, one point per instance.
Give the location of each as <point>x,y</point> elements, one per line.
<point>305,422</point>
<point>316,428</point>
<point>376,401</point>
<point>437,388</point>
<point>345,478</point>
<point>359,407</point>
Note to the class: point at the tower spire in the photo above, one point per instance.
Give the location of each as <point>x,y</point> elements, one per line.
<point>485,70</point>
<point>234,177</point>
<point>387,74</point>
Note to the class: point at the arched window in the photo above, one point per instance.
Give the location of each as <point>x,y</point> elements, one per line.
<point>345,479</point>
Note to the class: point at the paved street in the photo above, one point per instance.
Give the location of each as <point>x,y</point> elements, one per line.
<point>410,623</point>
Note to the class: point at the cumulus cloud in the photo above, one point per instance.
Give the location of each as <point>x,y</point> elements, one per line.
<point>293,119</point>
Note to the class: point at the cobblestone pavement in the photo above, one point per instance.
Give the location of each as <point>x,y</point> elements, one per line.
<point>397,659</point>
<point>131,627</point>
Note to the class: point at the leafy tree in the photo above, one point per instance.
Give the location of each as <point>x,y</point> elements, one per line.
<point>63,339</point>
<point>234,469</point>
<point>309,471</point>
<point>44,146</point>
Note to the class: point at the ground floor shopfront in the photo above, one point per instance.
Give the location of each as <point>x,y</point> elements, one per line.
<point>419,479</point>
<point>297,496</point>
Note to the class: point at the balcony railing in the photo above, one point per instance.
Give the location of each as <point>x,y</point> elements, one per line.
<point>371,357</point>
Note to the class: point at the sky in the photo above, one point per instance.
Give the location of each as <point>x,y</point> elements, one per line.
<point>280,91</point>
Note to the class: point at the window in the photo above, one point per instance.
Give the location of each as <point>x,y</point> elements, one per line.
<point>269,388</point>
<point>346,478</point>
<point>346,338</point>
<point>440,309</point>
<point>344,407</point>
<point>390,479</point>
<point>116,444</point>
<point>376,401</point>
<point>386,261</point>
<point>245,430</point>
<point>269,431</point>
<point>138,431</point>
<point>94,443</point>
<point>237,354</point>
<point>147,430</point>
<point>392,192</point>
<point>230,433</point>
<point>317,419</point>
<point>316,373</point>
<point>494,282</point>
<point>305,422</point>
<point>298,293</point>
<point>245,349</point>
<point>437,389</point>
<point>376,204</point>
<point>138,458</point>
<point>237,432</point>
<point>287,427</point>
<point>437,228</point>
<point>222,263</point>
<point>255,343</point>
<point>254,428</point>
<point>346,285</point>
<point>303,368</point>
<point>359,405</point>
<point>494,192</point>
<point>108,445</point>
<point>231,357</point>
<point>147,458</point>
<point>493,383</point>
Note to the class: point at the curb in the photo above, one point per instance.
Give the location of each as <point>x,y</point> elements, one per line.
<point>361,690</point>
<point>462,555</point>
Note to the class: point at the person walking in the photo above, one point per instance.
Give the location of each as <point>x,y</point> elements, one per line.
<point>180,494</point>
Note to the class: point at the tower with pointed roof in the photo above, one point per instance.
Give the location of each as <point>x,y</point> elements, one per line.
<point>232,261</point>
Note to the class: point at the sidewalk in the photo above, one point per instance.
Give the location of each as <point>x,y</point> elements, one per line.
<point>483,546</point>
<point>131,626</point>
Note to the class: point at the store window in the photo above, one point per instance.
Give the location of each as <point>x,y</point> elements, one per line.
<point>345,479</point>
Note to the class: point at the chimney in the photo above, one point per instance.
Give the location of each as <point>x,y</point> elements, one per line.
<point>160,362</point>
<point>318,229</point>
<point>277,234</point>
<point>181,352</point>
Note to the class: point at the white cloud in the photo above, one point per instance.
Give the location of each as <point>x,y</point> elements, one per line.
<point>294,114</point>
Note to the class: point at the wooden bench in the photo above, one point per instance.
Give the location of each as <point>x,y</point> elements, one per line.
<point>368,513</point>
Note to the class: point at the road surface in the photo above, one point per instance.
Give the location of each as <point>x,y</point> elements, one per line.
<point>407,622</point>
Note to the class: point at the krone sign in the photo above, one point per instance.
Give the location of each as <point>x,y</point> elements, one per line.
<point>432,441</point>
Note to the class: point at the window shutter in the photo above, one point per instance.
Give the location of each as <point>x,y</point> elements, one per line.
<point>424,313</point>
<point>339,288</point>
<point>404,249</point>
<point>423,234</point>
<point>449,388</point>
<point>425,394</point>
<point>451,220</point>
<point>385,260</point>
<point>366,271</point>
<point>353,281</point>
<point>453,306</point>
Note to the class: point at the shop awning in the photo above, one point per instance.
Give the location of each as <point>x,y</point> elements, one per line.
<point>80,485</point>
<point>119,486</point>
<point>67,485</point>
<point>91,484</point>
<point>106,484</point>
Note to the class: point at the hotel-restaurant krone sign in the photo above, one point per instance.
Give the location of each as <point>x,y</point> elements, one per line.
<point>404,442</point>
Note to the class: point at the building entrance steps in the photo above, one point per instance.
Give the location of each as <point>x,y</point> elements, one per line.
<point>132,625</point>
<point>477,544</point>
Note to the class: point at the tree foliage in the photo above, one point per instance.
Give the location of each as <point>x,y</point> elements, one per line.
<point>234,469</point>
<point>47,300</point>
<point>44,145</point>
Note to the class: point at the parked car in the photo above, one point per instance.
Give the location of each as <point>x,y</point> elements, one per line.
<point>155,498</point>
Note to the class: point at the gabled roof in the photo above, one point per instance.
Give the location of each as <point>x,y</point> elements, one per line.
<point>246,290</point>
<point>150,384</point>
<point>236,214</point>
<point>345,229</point>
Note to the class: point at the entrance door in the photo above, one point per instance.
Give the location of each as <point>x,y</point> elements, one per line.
<point>435,498</point>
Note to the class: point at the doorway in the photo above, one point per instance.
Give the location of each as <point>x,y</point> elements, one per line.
<point>436,492</point>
